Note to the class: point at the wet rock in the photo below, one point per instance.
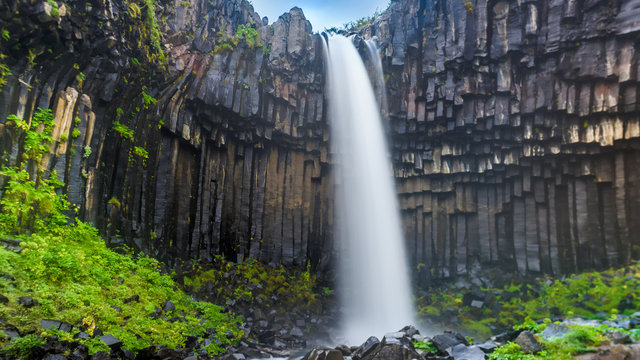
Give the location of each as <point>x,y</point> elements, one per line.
<point>296,332</point>
<point>488,346</point>
<point>394,351</point>
<point>448,340</point>
<point>463,352</point>
<point>366,348</point>
<point>233,357</point>
<point>528,342</point>
<point>323,354</point>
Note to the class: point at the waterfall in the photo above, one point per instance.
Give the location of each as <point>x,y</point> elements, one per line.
<point>374,291</point>
<point>378,79</point>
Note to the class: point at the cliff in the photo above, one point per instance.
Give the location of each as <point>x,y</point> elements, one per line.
<point>219,148</point>
<point>515,132</point>
<point>202,130</point>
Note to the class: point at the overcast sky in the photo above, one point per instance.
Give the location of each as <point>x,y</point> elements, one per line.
<point>321,13</point>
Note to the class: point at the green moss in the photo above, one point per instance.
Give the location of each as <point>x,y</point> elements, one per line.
<point>124,131</point>
<point>55,12</point>
<point>426,346</point>
<point>141,152</point>
<point>245,34</point>
<point>222,281</point>
<point>531,305</point>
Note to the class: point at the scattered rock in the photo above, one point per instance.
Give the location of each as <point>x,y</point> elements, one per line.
<point>324,354</point>
<point>11,332</point>
<point>367,348</point>
<point>528,343</point>
<point>618,337</point>
<point>134,298</point>
<point>488,346</point>
<point>395,351</point>
<point>233,357</point>
<point>82,335</point>
<point>169,306</point>
<point>111,341</point>
<point>448,340</point>
<point>27,301</point>
<point>554,330</point>
<point>8,277</point>
<point>54,357</point>
<point>615,352</point>
<point>463,352</point>
<point>11,244</point>
<point>50,324</point>
<point>296,332</point>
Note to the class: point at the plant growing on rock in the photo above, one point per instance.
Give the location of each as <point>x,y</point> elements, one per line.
<point>68,274</point>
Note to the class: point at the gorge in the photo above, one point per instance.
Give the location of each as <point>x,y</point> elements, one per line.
<point>512,147</point>
<point>194,130</point>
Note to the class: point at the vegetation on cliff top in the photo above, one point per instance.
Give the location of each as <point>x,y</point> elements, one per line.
<point>64,271</point>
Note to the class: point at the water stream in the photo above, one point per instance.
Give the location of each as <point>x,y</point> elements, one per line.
<point>374,291</point>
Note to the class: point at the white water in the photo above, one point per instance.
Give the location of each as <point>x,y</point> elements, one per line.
<point>375,290</point>
<point>378,80</point>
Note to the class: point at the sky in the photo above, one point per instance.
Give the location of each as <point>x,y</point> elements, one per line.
<point>321,13</point>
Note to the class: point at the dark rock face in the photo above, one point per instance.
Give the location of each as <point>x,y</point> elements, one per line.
<point>237,156</point>
<point>515,133</point>
<point>514,128</point>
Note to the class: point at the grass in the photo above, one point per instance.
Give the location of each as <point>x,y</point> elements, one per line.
<point>578,340</point>
<point>65,266</point>
<point>76,279</point>
<point>592,295</point>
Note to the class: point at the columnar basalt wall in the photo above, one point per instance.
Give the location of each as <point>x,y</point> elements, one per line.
<point>236,158</point>
<point>515,130</point>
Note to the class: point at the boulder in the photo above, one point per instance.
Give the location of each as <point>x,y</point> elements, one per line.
<point>448,340</point>
<point>3,299</point>
<point>396,352</point>
<point>27,301</point>
<point>528,343</point>
<point>554,331</point>
<point>324,354</point>
<point>169,306</point>
<point>463,352</point>
<point>366,348</point>
<point>111,341</point>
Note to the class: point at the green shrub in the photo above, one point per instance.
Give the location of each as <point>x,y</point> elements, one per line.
<point>125,132</point>
<point>426,346</point>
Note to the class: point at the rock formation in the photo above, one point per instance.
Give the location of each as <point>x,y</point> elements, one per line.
<point>235,143</point>
<point>515,132</point>
<point>514,128</point>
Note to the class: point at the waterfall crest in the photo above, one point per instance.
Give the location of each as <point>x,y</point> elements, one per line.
<point>374,289</point>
